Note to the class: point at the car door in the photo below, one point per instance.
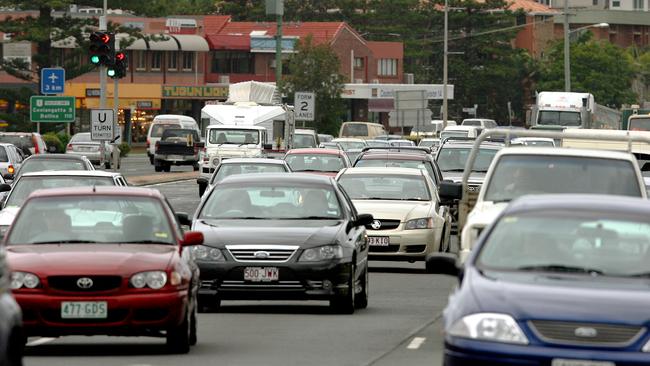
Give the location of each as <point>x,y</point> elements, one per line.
<point>356,234</point>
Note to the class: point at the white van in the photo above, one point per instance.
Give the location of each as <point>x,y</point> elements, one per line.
<point>362,130</point>
<point>164,121</point>
<point>480,122</point>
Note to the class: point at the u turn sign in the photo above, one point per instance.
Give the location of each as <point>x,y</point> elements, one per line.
<point>102,125</point>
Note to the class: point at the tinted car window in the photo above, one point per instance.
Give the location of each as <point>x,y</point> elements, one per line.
<point>414,164</point>
<point>227,170</point>
<point>393,187</point>
<point>639,124</point>
<point>23,142</point>
<point>26,185</point>
<point>301,140</point>
<point>39,165</point>
<point>4,156</point>
<point>236,136</point>
<point>315,162</point>
<point>81,137</point>
<point>158,128</point>
<point>454,159</point>
<point>517,175</point>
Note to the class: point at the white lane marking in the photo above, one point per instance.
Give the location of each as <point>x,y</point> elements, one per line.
<point>416,343</point>
<point>38,342</point>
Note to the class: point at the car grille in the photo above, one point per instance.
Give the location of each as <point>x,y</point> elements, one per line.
<point>261,253</point>
<point>241,285</point>
<point>386,249</point>
<point>385,225</point>
<point>415,248</point>
<point>99,283</point>
<point>586,334</point>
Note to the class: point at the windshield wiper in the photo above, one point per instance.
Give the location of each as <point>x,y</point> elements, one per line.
<point>502,200</point>
<point>244,218</point>
<point>560,268</point>
<point>65,242</point>
<point>642,274</point>
<point>454,170</point>
<point>145,242</point>
<point>318,218</point>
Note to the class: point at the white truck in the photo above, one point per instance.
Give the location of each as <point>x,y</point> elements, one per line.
<point>518,171</point>
<point>560,110</point>
<point>249,124</point>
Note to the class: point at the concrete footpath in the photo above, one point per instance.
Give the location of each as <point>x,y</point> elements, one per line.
<point>143,180</point>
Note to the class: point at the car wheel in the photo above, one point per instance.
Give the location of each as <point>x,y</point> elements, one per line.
<point>361,299</point>
<point>178,337</point>
<point>107,165</point>
<point>16,347</point>
<point>196,167</point>
<point>345,304</point>
<point>445,243</point>
<point>193,336</point>
<point>167,168</point>
<point>151,159</point>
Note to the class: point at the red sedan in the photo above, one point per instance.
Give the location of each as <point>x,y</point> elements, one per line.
<point>319,161</point>
<point>104,261</point>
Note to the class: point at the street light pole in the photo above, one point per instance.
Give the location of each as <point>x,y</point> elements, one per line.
<point>445,80</point>
<point>567,60</point>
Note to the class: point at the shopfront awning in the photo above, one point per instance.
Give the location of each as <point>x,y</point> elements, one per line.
<point>191,42</point>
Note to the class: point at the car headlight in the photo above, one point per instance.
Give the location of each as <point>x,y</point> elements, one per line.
<point>206,253</point>
<point>152,279</point>
<point>489,327</point>
<point>24,279</point>
<point>424,223</point>
<point>646,348</point>
<point>321,253</point>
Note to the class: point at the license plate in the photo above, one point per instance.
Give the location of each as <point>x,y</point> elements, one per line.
<point>563,362</point>
<point>261,274</point>
<point>175,157</point>
<point>378,241</point>
<point>84,310</point>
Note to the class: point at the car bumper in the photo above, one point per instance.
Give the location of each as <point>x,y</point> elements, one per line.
<point>178,159</point>
<point>465,352</point>
<point>132,314</point>
<point>405,244</point>
<point>93,156</point>
<point>297,281</point>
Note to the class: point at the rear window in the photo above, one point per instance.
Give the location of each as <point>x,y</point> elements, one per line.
<point>20,141</point>
<point>3,155</point>
<point>472,123</point>
<point>39,165</point>
<point>157,129</point>
<point>81,137</point>
<point>355,129</point>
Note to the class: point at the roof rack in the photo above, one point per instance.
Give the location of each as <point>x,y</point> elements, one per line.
<point>420,149</point>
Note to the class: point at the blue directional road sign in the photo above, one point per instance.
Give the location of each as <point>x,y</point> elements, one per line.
<point>52,81</point>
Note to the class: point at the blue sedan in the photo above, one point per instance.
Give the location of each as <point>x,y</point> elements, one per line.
<point>557,280</point>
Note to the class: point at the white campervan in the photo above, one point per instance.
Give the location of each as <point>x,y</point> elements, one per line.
<point>164,121</point>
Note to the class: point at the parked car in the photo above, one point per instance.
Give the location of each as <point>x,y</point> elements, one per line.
<point>555,280</point>
<point>31,143</point>
<point>81,144</point>
<point>234,166</point>
<point>106,261</point>
<point>31,182</point>
<point>39,163</point>
<point>162,122</point>
<point>409,222</point>
<point>317,161</point>
<point>280,237</point>
<point>10,160</point>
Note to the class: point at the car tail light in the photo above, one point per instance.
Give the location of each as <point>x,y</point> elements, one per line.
<point>11,170</point>
<point>148,144</point>
<point>157,145</point>
<point>36,150</point>
<point>69,147</point>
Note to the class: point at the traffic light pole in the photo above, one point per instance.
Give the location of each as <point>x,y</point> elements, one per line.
<point>102,80</point>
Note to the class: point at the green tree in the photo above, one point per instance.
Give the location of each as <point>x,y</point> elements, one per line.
<point>597,67</point>
<point>315,68</point>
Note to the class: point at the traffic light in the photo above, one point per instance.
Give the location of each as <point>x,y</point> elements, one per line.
<point>102,48</point>
<point>118,69</point>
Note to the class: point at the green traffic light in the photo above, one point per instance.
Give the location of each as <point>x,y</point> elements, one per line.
<point>94,59</point>
<point>110,72</point>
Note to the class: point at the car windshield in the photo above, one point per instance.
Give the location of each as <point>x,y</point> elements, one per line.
<point>301,140</point>
<point>227,170</point>
<point>581,242</point>
<point>397,163</point>
<point>272,201</point>
<point>174,134</point>
<point>355,129</point>
<point>429,143</point>
<point>158,128</point>
<point>315,162</point>
<point>40,165</point>
<point>453,159</point>
<point>234,137</point>
<point>91,219</point>
<point>81,137</point>
<point>349,145</point>
<point>26,185</point>
<point>554,118</point>
<point>517,175</point>
<point>639,124</point>
<point>3,155</point>
<point>385,187</point>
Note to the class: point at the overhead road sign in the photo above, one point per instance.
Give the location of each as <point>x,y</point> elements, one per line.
<point>50,109</point>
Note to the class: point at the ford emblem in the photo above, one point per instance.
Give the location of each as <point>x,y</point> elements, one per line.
<point>376,225</point>
<point>585,332</point>
<point>85,283</point>
<point>261,255</point>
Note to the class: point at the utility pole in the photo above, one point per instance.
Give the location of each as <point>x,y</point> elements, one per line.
<point>567,49</point>
<point>102,68</point>
<point>276,7</point>
<point>445,115</point>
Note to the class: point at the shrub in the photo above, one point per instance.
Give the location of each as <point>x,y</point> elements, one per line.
<point>124,149</point>
<point>53,141</point>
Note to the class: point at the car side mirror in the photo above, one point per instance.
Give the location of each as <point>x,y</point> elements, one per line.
<point>183,218</point>
<point>192,238</point>
<point>199,144</point>
<point>364,219</point>
<point>450,191</point>
<point>268,146</point>
<point>4,187</point>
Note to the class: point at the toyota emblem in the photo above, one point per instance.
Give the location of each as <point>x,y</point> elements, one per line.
<point>376,225</point>
<point>84,283</point>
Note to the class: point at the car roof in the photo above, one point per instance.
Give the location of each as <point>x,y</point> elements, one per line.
<point>253,161</point>
<point>349,139</point>
<point>315,151</point>
<point>56,157</point>
<point>383,171</point>
<point>270,178</point>
<point>74,173</point>
<point>566,151</point>
<point>459,128</point>
<point>98,190</point>
<point>394,155</point>
<point>6,144</point>
<point>581,202</point>
<point>455,144</point>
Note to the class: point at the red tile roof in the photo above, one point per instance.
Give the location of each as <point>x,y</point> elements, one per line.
<point>212,24</point>
<point>530,6</point>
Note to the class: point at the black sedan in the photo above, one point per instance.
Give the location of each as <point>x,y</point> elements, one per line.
<point>281,237</point>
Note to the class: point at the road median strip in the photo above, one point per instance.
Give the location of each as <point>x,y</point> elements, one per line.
<point>161,178</point>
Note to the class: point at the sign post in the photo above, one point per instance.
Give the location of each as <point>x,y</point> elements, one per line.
<point>102,128</point>
<point>305,106</point>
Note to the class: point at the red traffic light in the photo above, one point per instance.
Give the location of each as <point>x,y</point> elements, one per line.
<point>105,38</point>
<point>120,56</point>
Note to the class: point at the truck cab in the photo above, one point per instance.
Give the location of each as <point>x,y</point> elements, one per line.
<point>560,110</point>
